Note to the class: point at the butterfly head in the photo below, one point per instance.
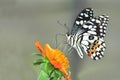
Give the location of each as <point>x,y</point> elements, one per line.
<point>68,38</point>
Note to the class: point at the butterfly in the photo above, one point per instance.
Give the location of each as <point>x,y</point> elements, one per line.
<point>87,34</point>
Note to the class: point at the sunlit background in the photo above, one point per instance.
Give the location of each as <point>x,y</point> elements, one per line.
<point>22,22</point>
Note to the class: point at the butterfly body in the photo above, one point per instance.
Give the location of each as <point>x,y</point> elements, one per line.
<point>87,34</point>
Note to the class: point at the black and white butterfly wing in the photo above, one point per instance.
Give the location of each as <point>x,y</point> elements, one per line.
<point>87,34</point>
<point>103,25</point>
<point>92,40</point>
<point>93,46</point>
<point>84,16</point>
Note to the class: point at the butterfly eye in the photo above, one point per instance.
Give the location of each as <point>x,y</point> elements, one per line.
<point>91,37</point>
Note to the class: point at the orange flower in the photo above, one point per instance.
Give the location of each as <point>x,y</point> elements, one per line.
<point>56,58</point>
<point>39,47</point>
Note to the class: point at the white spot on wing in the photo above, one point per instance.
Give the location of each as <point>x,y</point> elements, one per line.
<point>101,34</point>
<point>98,49</point>
<point>103,49</point>
<point>102,53</point>
<point>100,56</point>
<point>85,26</point>
<point>99,42</point>
<point>104,27</point>
<point>100,46</point>
<point>77,22</point>
<point>101,26</point>
<point>93,29</point>
<point>93,54</point>
<point>85,37</point>
<point>104,44</point>
<point>87,9</point>
<point>86,15</point>
<point>81,22</point>
<point>96,58</point>
<point>93,20</point>
<point>90,26</point>
<point>91,12</point>
<point>81,14</point>
<point>97,21</point>
<point>101,30</point>
<point>85,42</point>
<point>95,26</point>
<point>92,32</point>
<point>97,53</point>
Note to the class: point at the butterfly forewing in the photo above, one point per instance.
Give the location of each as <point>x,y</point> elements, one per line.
<point>84,16</point>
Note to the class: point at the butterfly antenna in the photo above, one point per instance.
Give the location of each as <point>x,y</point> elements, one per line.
<point>64,25</point>
<point>65,46</point>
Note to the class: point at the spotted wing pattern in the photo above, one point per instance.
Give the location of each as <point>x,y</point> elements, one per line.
<point>84,16</point>
<point>103,25</point>
<point>92,40</point>
<point>93,47</point>
<point>87,34</point>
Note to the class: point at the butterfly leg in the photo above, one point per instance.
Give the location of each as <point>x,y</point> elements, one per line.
<point>69,50</point>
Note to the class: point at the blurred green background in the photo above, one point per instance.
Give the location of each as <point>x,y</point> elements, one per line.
<point>22,22</point>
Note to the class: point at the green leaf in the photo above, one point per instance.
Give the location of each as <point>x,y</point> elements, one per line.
<point>46,60</point>
<point>43,76</point>
<point>56,74</point>
<point>47,67</point>
<point>59,73</point>
<point>38,54</point>
<point>38,62</point>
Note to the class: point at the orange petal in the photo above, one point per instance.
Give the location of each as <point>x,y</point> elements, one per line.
<point>39,47</point>
<point>47,47</point>
<point>48,50</point>
<point>56,64</point>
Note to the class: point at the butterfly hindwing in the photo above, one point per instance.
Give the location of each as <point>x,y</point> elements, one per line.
<point>96,49</point>
<point>93,46</point>
<point>98,25</point>
<point>102,28</point>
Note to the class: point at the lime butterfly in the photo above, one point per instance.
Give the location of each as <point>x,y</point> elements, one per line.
<point>87,34</point>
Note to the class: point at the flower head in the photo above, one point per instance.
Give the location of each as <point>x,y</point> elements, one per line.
<point>56,58</point>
